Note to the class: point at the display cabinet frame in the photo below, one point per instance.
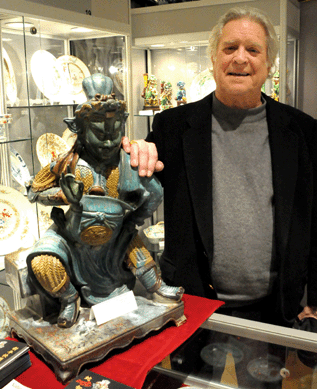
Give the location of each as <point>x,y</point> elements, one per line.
<point>33,112</point>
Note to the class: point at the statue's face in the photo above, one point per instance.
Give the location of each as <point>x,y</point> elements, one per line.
<point>102,139</point>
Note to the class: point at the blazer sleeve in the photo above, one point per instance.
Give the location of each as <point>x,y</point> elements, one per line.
<point>312,266</point>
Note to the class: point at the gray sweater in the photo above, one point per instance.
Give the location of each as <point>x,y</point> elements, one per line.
<point>243,266</point>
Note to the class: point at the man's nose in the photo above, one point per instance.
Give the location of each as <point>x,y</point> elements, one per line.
<point>241,55</point>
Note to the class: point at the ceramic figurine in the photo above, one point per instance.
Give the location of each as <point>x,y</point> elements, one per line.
<point>276,86</point>
<point>181,93</point>
<point>93,252</point>
<point>166,95</point>
<point>149,93</point>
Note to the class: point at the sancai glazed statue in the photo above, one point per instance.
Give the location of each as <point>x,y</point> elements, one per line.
<point>166,95</point>
<point>93,251</point>
<point>181,93</point>
<point>149,93</point>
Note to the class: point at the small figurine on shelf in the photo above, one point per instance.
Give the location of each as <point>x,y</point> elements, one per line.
<point>93,252</point>
<point>181,93</point>
<point>276,86</point>
<point>166,95</point>
<point>149,93</point>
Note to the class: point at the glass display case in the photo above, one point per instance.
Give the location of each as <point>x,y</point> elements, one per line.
<point>43,66</point>
<point>174,49</point>
<point>230,352</point>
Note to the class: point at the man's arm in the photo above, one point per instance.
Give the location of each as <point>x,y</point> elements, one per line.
<point>143,155</point>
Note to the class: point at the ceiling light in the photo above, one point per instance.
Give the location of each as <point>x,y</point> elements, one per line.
<point>19,25</point>
<point>81,29</point>
<point>113,70</point>
<point>158,45</point>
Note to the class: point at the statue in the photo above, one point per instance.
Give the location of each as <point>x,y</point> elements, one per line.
<point>166,95</point>
<point>93,251</point>
<point>149,93</point>
<point>181,93</point>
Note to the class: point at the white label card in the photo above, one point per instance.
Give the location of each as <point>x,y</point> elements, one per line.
<point>15,385</point>
<point>113,308</point>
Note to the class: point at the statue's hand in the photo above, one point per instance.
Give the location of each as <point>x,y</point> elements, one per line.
<point>72,189</point>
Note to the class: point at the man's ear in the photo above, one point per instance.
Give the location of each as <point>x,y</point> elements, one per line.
<point>71,124</point>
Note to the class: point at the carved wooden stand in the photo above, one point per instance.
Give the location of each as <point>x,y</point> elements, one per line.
<point>67,350</point>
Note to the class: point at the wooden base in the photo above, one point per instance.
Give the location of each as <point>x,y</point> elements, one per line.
<point>67,350</point>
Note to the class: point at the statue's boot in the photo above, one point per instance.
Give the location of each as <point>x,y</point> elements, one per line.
<point>70,304</point>
<point>143,266</point>
<point>52,276</point>
<point>153,283</point>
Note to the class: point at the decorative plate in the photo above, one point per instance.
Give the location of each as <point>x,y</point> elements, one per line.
<point>73,71</point>
<point>265,369</point>
<point>118,74</point>
<point>4,319</point>
<point>44,216</point>
<point>202,85</point>
<point>69,137</point>
<point>155,234</point>
<point>5,119</point>
<point>49,146</point>
<point>19,170</point>
<point>46,74</point>
<point>17,221</point>
<point>215,354</point>
<point>9,78</point>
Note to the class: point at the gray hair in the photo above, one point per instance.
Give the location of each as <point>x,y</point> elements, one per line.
<point>253,14</point>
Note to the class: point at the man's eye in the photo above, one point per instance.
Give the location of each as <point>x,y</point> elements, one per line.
<point>230,49</point>
<point>253,50</point>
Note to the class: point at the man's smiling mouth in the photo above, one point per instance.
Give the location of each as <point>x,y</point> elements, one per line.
<point>238,74</point>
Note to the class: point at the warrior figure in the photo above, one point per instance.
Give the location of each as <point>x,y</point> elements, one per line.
<point>93,252</point>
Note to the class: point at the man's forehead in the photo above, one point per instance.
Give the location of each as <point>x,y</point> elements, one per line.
<point>236,41</point>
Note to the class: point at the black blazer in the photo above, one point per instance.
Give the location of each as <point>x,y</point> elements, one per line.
<point>183,139</point>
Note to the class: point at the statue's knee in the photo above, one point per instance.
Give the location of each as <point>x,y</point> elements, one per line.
<point>138,256</point>
<point>50,273</point>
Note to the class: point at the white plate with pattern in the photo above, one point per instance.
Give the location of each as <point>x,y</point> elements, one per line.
<point>19,170</point>
<point>49,146</point>
<point>17,221</point>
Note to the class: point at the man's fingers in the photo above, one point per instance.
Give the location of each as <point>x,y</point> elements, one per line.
<point>134,154</point>
<point>159,166</point>
<point>152,159</point>
<point>143,155</point>
<point>126,144</point>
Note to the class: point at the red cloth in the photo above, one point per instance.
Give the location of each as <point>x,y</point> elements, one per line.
<point>131,366</point>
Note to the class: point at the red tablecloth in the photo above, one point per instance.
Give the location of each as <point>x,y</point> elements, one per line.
<point>131,366</point>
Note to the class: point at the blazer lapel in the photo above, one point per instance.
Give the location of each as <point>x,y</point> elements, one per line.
<point>197,156</point>
<point>284,150</point>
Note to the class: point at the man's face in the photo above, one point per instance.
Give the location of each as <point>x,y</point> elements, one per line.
<point>240,67</point>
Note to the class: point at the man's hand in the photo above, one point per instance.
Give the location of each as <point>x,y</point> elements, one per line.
<point>143,155</point>
<point>308,312</point>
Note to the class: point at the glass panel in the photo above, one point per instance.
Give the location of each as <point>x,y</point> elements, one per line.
<point>44,64</point>
<point>291,88</point>
<point>106,56</point>
<point>219,360</point>
<point>189,64</point>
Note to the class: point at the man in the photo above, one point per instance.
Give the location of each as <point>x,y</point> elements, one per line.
<point>240,209</point>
